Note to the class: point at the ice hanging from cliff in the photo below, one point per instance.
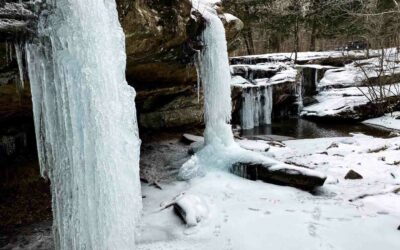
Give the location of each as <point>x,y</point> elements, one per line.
<point>219,151</point>
<point>85,121</point>
<point>215,77</point>
<point>256,109</point>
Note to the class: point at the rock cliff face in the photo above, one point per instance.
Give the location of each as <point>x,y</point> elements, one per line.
<point>159,41</point>
<point>160,38</point>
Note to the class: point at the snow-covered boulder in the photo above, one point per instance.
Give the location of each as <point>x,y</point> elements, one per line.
<point>281,174</point>
<point>191,208</point>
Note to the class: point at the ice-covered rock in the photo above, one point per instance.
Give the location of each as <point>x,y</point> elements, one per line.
<point>191,208</point>
<point>353,175</point>
<point>282,174</point>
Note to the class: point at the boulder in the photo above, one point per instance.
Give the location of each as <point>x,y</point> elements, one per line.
<point>281,174</point>
<point>189,138</point>
<point>190,208</point>
<point>353,175</point>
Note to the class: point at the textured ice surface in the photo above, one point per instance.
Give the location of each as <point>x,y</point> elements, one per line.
<point>256,107</point>
<point>85,121</point>
<point>215,76</point>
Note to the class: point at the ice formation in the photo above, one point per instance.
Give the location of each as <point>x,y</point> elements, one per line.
<point>85,121</point>
<point>215,76</point>
<point>18,54</point>
<point>220,150</point>
<point>256,107</point>
<point>299,93</point>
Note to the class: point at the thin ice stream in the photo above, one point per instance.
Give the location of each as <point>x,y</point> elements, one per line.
<point>85,121</point>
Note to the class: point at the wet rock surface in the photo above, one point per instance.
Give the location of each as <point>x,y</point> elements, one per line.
<point>353,175</point>
<point>287,177</point>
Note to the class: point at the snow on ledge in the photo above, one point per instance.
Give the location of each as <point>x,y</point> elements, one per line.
<point>390,121</point>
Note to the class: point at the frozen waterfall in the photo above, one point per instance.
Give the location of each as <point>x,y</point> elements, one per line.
<point>86,128</point>
<point>215,76</point>
<point>256,107</point>
<point>220,151</point>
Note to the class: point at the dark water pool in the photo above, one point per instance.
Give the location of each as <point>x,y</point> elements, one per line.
<point>305,129</point>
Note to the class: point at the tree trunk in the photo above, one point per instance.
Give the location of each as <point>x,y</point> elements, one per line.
<point>248,38</point>
<point>296,39</point>
<point>313,34</point>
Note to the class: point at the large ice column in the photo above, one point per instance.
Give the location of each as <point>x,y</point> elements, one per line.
<point>256,107</point>
<point>86,128</point>
<point>216,77</point>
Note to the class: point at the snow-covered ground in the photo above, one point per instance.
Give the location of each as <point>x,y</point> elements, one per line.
<point>390,121</point>
<point>337,101</point>
<point>341,90</point>
<point>284,72</point>
<point>247,215</point>
<point>354,74</point>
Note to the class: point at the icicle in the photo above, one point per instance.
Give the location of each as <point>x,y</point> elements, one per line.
<point>18,54</point>
<point>7,58</point>
<point>197,65</point>
<point>256,107</point>
<point>316,77</point>
<point>268,105</point>
<point>248,109</point>
<point>299,93</point>
<point>85,122</point>
<point>11,52</point>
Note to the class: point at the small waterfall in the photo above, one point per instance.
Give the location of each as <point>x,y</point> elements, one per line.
<point>85,121</point>
<point>256,107</point>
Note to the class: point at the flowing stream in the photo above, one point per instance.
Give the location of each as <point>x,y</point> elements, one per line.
<point>85,121</point>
